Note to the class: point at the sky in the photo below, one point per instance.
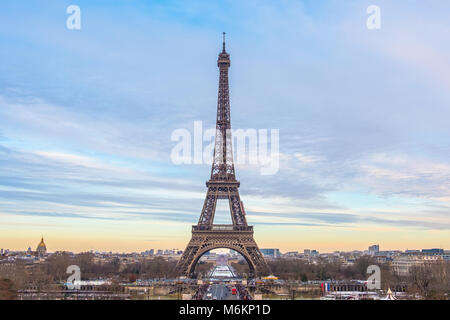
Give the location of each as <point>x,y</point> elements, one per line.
<point>86,118</point>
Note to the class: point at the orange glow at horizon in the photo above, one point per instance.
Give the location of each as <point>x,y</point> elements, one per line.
<point>177,236</point>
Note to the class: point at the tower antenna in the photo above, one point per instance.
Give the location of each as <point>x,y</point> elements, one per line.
<point>223,50</point>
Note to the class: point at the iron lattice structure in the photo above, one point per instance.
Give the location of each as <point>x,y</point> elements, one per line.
<point>206,235</point>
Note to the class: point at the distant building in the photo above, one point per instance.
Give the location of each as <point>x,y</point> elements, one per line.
<point>384,253</point>
<point>374,249</point>
<point>433,251</point>
<point>446,255</point>
<point>310,253</point>
<point>41,249</point>
<point>273,253</point>
<point>381,258</point>
<point>402,264</point>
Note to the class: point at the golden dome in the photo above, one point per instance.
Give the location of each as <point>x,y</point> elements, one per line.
<point>41,244</point>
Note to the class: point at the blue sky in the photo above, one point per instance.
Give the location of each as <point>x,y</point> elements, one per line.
<point>86,118</point>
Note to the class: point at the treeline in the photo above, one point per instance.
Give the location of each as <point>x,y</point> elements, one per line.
<point>431,280</point>
<point>294,269</point>
<point>158,267</point>
<point>428,281</point>
<point>21,276</point>
<point>53,270</point>
<point>56,266</point>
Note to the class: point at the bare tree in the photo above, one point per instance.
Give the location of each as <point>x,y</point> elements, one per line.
<point>431,280</point>
<point>7,290</point>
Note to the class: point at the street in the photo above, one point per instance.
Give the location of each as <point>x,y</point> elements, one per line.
<point>219,292</point>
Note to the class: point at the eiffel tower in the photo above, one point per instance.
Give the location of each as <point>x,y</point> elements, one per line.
<point>206,235</point>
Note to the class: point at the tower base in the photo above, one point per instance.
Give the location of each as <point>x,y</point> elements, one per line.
<point>222,236</point>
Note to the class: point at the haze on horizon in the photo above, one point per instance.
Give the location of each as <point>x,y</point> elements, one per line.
<point>86,118</point>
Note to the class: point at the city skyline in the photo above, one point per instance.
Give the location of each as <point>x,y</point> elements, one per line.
<point>168,248</point>
<point>86,118</point>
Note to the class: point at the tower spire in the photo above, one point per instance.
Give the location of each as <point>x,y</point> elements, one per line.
<point>223,167</point>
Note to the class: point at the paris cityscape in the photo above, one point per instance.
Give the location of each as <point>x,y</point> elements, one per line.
<point>224,151</point>
<point>149,275</point>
